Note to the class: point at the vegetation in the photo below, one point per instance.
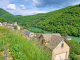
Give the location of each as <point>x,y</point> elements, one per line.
<point>15,27</point>
<point>74,50</point>
<point>21,28</point>
<point>18,15</point>
<point>6,15</point>
<point>64,21</point>
<point>21,48</point>
<point>2,20</point>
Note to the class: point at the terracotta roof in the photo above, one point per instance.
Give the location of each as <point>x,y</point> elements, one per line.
<point>47,37</point>
<point>55,40</point>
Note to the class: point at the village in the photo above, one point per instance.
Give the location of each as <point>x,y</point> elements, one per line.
<point>56,43</point>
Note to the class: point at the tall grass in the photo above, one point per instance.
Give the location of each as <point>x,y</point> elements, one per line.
<point>21,48</point>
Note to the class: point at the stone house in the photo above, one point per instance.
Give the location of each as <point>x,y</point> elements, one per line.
<point>15,24</point>
<point>4,23</point>
<point>30,34</point>
<point>67,37</point>
<point>58,45</point>
<point>8,25</point>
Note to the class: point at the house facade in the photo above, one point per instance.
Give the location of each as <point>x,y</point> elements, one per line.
<point>61,52</point>
<point>58,45</point>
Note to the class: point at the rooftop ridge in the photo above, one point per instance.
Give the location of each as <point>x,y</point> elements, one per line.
<point>58,36</point>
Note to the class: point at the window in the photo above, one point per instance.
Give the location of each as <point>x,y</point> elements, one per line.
<point>62,45</point>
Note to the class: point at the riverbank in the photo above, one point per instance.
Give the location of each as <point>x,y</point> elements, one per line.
<point>35,29</point>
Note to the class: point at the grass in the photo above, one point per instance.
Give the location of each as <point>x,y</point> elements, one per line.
<point>21,48</point>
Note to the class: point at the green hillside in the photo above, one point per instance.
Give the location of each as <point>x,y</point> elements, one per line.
<point>6,15</point>
<point>65,21</point>
<point>18,47</point>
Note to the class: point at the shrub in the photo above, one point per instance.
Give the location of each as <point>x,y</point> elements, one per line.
<point>15,27</point>
<point>21,28</point>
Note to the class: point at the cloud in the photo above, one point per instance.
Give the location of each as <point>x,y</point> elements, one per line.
<point>11,7</point>
<point>54,3</point>
<point>22,7</point>
<point>18,11</point>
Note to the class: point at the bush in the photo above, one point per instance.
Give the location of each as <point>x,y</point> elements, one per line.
<point>21,28</point>
<point>74,49</point>
<point>15,27</point>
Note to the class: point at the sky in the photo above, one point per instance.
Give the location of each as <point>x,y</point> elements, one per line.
<point>31,7</point>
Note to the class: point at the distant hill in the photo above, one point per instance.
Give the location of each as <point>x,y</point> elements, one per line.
<point>6,15</point>
<point>18,15</point>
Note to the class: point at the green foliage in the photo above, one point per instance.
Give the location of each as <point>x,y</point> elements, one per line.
<point>15,27</point>
<point>6,15</point>
<point>64,21</point>
<point>21,48</point>
<point>74,50</point>
<point>21,28</point>
<point>2,20</point>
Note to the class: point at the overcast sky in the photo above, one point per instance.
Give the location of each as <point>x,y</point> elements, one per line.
<point>30,7</point>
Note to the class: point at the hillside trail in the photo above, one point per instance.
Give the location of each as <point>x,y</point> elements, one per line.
<point>6,55</point>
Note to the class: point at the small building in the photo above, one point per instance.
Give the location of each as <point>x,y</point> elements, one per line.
<point>67,37</point>
<point>18,27</point>
<point>27,32</point>
<point>30,34</point>
<point>8,25</point>
<point>58,45</point>
<point>4,23</point>
<point>0,24</point>
<point>15,24</point>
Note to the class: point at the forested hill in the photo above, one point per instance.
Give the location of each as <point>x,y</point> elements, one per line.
<point>18,15</point>
<point>65,21</point>
<point>6,15</point>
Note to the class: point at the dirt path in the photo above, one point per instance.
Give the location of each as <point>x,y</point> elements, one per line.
<point>6,55</point>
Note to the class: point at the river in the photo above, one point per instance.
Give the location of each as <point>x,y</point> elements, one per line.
<point>47,32</point>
